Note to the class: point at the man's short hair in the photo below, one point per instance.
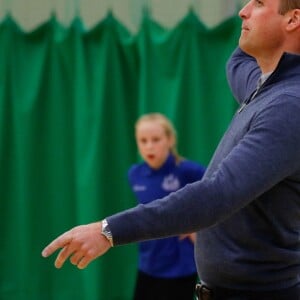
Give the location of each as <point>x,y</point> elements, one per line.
<point>287,5</point>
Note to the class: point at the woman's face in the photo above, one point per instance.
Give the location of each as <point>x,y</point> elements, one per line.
<point>153,143</point>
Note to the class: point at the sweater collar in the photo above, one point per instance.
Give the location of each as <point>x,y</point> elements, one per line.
<point>288,66</point>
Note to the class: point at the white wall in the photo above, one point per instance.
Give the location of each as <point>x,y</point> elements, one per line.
<point>30,13</point>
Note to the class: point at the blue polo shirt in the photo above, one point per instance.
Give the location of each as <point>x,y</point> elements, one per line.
<point>167,257</point>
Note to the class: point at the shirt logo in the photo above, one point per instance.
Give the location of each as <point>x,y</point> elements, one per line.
<point>170,183</point>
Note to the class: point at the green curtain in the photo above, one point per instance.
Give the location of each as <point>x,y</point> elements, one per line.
<point>69,98</point>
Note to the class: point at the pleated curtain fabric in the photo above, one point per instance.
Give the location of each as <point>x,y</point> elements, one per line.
<point>69,99</point>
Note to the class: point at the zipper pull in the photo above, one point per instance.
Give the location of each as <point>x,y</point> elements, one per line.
<point>242,107</point>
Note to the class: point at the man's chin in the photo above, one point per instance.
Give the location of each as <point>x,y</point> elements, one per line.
<point>243,45</point>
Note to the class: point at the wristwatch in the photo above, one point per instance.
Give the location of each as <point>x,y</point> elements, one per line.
<point>106,232</point>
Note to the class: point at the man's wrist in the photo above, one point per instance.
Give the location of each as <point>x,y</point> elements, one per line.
<point>105,231</point>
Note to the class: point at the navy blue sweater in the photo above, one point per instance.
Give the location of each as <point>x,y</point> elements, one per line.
<point>246,208</point>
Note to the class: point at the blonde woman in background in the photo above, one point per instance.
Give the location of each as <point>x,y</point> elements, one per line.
<point>166,267</point>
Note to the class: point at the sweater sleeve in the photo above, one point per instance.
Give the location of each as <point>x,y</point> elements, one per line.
<point>266,155</point>
<point>242,74</point>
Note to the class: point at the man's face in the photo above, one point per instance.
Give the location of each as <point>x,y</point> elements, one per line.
<point>262,32</point>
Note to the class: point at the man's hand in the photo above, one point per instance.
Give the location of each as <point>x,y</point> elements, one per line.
<point>82,244</point>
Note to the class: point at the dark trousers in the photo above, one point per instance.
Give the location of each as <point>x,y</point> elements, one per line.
<point>205,293</point>
<point>152,288</point>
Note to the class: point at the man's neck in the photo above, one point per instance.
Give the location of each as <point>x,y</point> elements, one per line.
<point>268,60</point>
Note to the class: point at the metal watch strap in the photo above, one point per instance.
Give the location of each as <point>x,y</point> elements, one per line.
<point>106,232</point>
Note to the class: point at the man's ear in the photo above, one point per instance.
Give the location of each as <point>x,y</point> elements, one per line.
<point>293,19</point>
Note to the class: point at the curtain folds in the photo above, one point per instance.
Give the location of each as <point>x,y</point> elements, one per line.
<point>68,102</point>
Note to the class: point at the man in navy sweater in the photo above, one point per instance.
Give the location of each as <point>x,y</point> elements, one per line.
<point>246,209</point>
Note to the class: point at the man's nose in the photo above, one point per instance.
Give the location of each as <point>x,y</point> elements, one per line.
<point>244,12</point>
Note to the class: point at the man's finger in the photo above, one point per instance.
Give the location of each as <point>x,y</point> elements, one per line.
<point>63,256</point>
<point>58,243</point>
<point>84,262</point>
<point>74,259</point>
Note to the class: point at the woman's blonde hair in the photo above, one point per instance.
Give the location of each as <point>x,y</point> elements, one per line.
<point>168,127</point>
